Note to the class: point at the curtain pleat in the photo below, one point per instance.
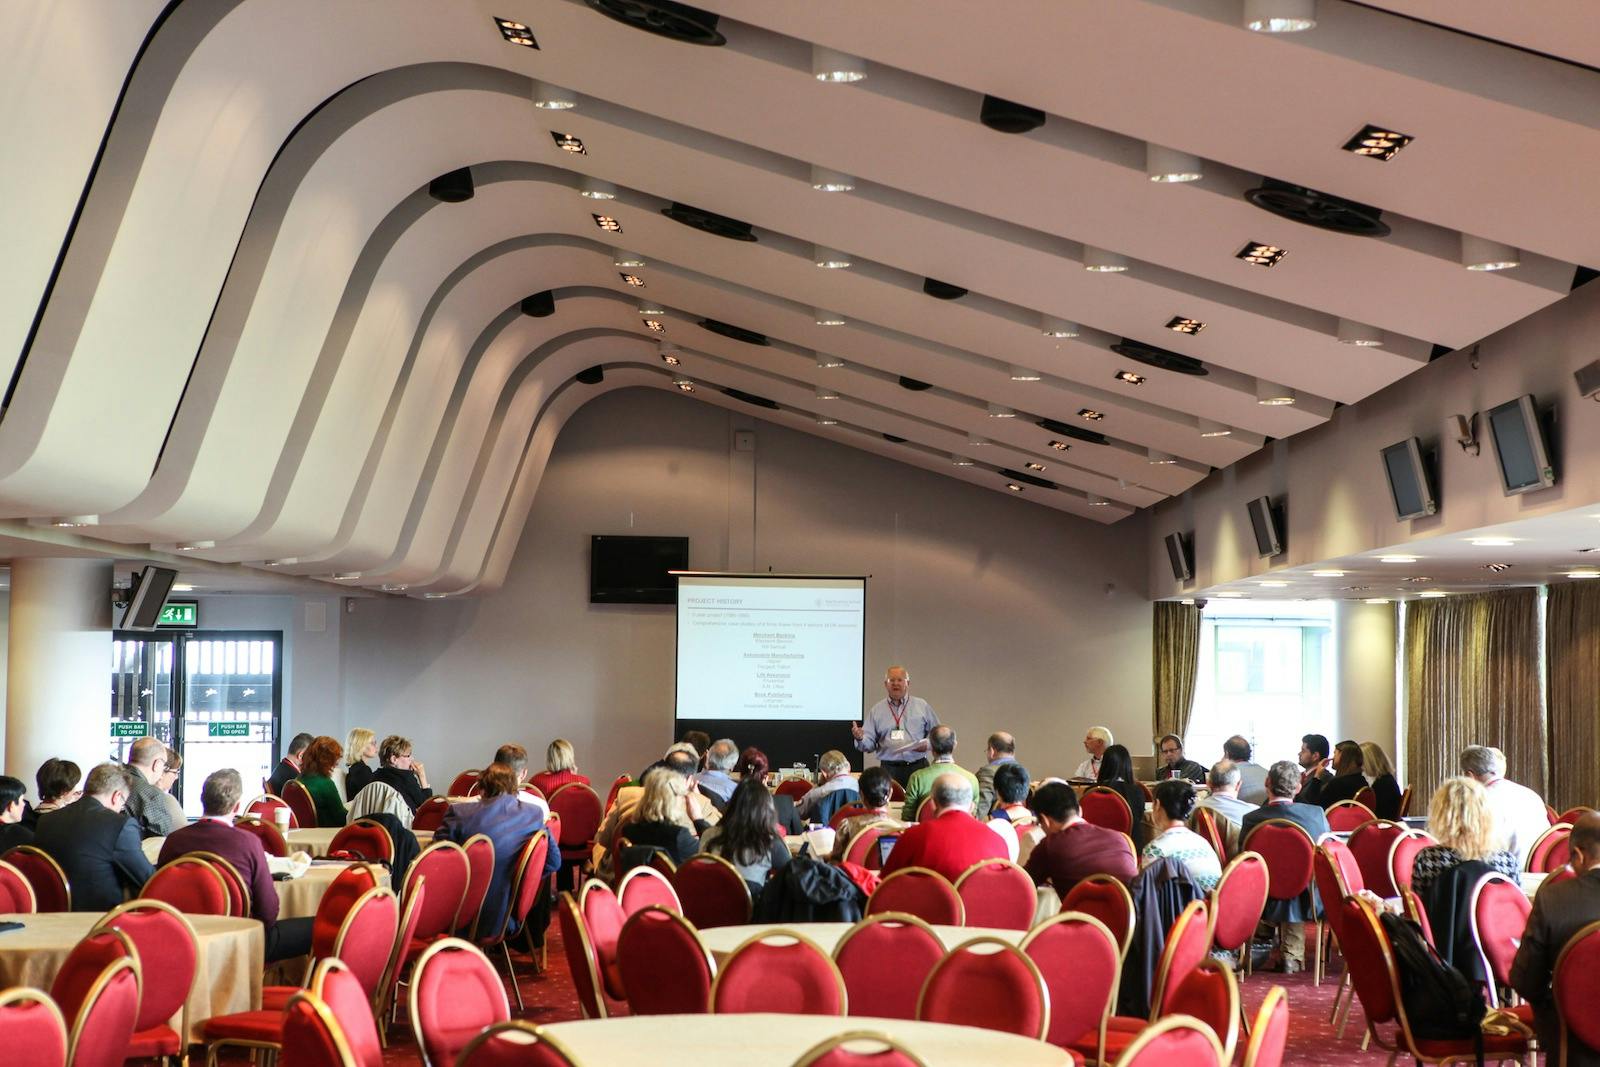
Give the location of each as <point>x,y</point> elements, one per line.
<point>1472,678</point>
<point>1176,638</point>
<point>1572,643</point>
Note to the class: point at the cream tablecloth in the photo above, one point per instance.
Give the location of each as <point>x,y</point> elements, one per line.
<point>315,840</point>
<point>299,897</point>
<point>227,971</point>
<point>721,940</point>
<point>740,1040</point>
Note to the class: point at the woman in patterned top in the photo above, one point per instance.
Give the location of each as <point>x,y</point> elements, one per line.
<point>1460,820</point>
<point>1174,840</point>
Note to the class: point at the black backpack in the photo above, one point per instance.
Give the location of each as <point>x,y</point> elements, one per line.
<point>1440,1002</point>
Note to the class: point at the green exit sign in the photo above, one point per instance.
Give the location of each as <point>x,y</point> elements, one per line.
<point>180,614</point>
<point>129,728</point>
<point>227,729</point>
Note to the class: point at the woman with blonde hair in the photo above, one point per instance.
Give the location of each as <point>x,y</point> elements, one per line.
<point>662,818</point>
<point>560,768</point>
<point>1460,819</point>
<point>1380,775</point>
<point>360,746</point>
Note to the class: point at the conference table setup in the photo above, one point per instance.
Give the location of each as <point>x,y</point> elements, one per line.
<point>721,941</point>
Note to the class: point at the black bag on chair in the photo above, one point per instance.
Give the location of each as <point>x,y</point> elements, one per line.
<point>1439,1000</point>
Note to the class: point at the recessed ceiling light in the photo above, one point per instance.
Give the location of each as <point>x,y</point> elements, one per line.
<point>1099,261</point>
<point>1130,377</point>
<point>1014,487</point>
<point>1497,568</point>
<point>824,420</point>
<point>1482,254</point>
<point>1208,428</point>
<point>1160,459</point>
<point>595,189</point>
<point>1261,254</point>
<point>183,589</point>
<point>1098,501</point>
<point>836,68</point>
<point>516,33</point>
<point>1397,559</point>
<point>1377,142</point>
<point>651,311</point>
<point>1280,16</point>
<point>1034,466</point>
<point>1492,542</point>
<point>1433,594</point>
<point>1090,414</point>
<point>1273,396</point>
<point>669,354</point>
<point>827,362</point>
<point>632,279</point>
<point>960,460</point>
<point>1228,594</point>
<point>1273,584</point>
<point>1417,579</point>
<point>829,258</point>
<point>1170,165</point>
<point>569,142</point>
<point>1023,374</point>
<point>547,97</point>
<point>655,325</point>
<point>625,260</point>
<point>1359,334</point>
<point>827,318</point>
<point>824,180</point>
<point>434,596</point>
<point>824,393</point>
<point>1583,574</point>
<point>1054,327</point>
<point>1375,600</point>
<point>1183,325</point>
<point>1327,574</point>
<point>1060,446</point>
<point>606,222</point>
<point>194,546</point>
<point>346,576</point>
<point>285,562</point>
<point>1000,411</point>
<point>684,384</point>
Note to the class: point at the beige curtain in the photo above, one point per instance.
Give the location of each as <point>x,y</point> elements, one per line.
<point>1572,643</point>
<point>1472,678</point>
<point>1176,638</point>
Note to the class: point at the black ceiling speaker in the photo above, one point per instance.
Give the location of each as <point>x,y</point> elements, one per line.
<point>452,188</point>
<point>738,333</point>
<point>913,384</point>
<point>893,440</point>
<point>751,398</point>
<point>710,222</point>
<point>1007,117</point>
<point>539,305</point>
<point>592,376</point>
<point>1159,357</point>
<point>1027,479</point>
<point>1322,210</point>
<point>1073,432</point>
<point>680,22</point>
<point>942,290</point>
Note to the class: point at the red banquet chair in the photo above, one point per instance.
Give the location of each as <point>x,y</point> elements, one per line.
<point>1403,856</point>
<point>712,891</point>
<point>51,892</point>
<point>444,864</point>
<point>779,970</point>
<point>884,959</point>
<point>455,993</point>
<point>82,968</point>
<point>1405,803</point>
<point>918,891</point>
<point>363,938</point>
<point>160,934</point>
<point>1499,917</point>
<point>794,788</point>
<point>1288,852</point>
<point>31,1029</point>
<point>16,892</point>
<point>859,1048</point>
<point>480,870</point>
<point>462,784</point>
<point>330,1024</point>
<point>663,967</point>
<point>1236,904</point>
<point>603,918</point>
<point>1106,807</point>
<point>271,841</point>
<point>997,894</point>
<point>190,884</point>
<point>925,810</point>
<point>1367,797</point>
<point>232,880</point>
<point>1576,984</point>
<point>430,814</point>
<point>846,811</point>
<point>1336,875</point>
<point>989,984</point>
<point>582,960</point>
<point>364,839</point>
<point>298,797</point>
<point>1411,907</point>
<point>897,791</point>
<point>264,806</point>
<point>1105,898</point>
<point>1572,815</point>
<point>312,1037</point>
<point>331,983</point>
<point>1346,815</point>
<point>526,883</point>
<point>616,787</point>
<point>1210,993</point>
<point>105,1022</point>
<point>863,849</point>
<point>515,1044</point>
<point>581,812</point>
<point>1269,1034</point>
<point>1178,1039</point>
<point>1080,961</point>
<point>1550,851</point>
<point>646,887</point>
<point>1371,844</point>
<point>1205,824</point>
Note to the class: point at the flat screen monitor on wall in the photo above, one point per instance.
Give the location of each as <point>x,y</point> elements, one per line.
<point>1180,553</point>
<point>635,570</point>
<point>1410,483</point>
<point>1267,525</point>
<point>1520,448</point>
<point>149,596</point>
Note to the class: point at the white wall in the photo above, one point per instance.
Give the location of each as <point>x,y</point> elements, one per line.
<point>1000,608</point>
<point>1364,636</point>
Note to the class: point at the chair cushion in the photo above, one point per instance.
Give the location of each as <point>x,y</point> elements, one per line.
<point>156,1041</point>
<point>245,1026</point>
<point>276,997</point>
<point>1117,1042</point>
<point>1126,1024</point>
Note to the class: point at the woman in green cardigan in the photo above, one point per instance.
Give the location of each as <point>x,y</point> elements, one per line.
<point>316,774</point>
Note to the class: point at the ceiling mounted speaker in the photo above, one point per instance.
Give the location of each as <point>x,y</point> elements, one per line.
<point>737,333</point>
<point>1007,117</point>
<point>592,376</point>
<point>1073,432</point>
<point>1027,479</point>
<point>1159,357</point>
<point>452,188</point>
<point>680,22</point>
<point>942,290</point>
<point>539,305</point>
<point>710,222</point>
<point>1322,210</point>
<point>913,385</point>
<point>751,398</point>
<point>893,440</point>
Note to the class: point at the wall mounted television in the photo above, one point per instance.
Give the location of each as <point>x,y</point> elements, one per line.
<point>1410,480</point>
<point>1520,448</point>
<point>1180,553</point>
<point>148,597</point>
<point>1266,522</point>
<point>635,570</point>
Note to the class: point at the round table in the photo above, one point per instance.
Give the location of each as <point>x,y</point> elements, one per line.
<point>316,839</point>
<point>737,1040</point>
<point>721,940</point>
<point>299,897</point>
<point>227,970</point>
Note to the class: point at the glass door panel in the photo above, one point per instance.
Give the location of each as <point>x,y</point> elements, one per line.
<point>230,704</point>
<point>141,690</point>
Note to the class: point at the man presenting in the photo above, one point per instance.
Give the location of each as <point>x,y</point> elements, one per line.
<point>897,727</point>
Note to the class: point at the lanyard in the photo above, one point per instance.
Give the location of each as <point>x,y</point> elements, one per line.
<point>898,713</point>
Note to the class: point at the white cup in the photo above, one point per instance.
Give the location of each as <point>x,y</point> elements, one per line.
<point>280,816</point>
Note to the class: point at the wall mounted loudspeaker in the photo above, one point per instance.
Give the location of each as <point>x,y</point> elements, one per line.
<point>1009,117</point>
<point>539,305</point>
<point>1180,553</point>
<point>591,376</point>
<point>1588,379</point>
<point>452,188</point>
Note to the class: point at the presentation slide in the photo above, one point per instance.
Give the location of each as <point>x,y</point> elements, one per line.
<point>769,649</point>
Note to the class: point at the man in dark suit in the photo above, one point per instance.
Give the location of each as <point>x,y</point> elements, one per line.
<point>288,768</point>
<point>96,844</point>
<point>12,830</point>
<point>1559,911</point>
<point>508,823</point>
<point>215,833</point>
<point>1314,765</point>
<point>952,840</point>
<point>1173,763</point>
<point>1283,782</point>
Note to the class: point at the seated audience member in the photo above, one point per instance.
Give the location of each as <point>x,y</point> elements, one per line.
<point>698,740</point>
<point>12,800</point>
<point>508,824</point>
<point>1347,778</point>
<point>1460,819</point>
<point>406,775</point>
<point>57,780</point>
<point>1173,839</point>
<point>560,768</point>
<point>169,779</point>
<point>715,781</point>
<point>753,764</point>
<point>220,796</point>
<point>942,748</point>
<point>316,774</point>
<point>838,788</point>
<point>1095,742</point>
<point>359,747</point>
<point>624,809</point>
<point>1314,769</point>
<point>1560,910</point>
<point>96,843</point>
<point>516,757</point>
<point>1116,773</point>
<point>952,840</point>
<point>1223,802</point>
<point>1002,750</point>
<point>1173,765</point>
<point>1379,772</point>
<point>661,819</point>
<point>875,787</point>
<point>1012,820</point>
<point>147,759</point>
<point>1283,783</point>
<point>1073,849</point>
<point>289,766</point>
<point>1252,776</point>
<point>1519,815</point>
<point>748,836</point>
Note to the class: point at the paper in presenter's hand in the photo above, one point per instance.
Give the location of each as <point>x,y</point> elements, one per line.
<point>898,748</point>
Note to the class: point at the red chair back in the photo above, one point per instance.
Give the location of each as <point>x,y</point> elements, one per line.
<point>858,1048</point>
<point>792,787</point>
<point>524,887</point>
<point>444,865</point>
<point>997,894</point>
<point>82,968</point>
<point>1403,856</point>
<point>462,784</point>
<point>49,882</point>
<point>582,960</point>
<point>262,807</point>
<point>1102,897</point>
<point>1188,942</point>
<point>1269,1034</point>
<point>1550,852</point>
<point>1371,843</point>
<point>1180,1039</point>
<point>1346,815</point>
<point>1210,993</point>
<point>106,1021</point>
<point>1405,803</point>
<point>1205,824</point>
<point>779,971</point>
<point>191,885</point>
<point>165,938</point>
<point>1572,815</point>
<point>712,891</point>
<point>663,967</point>
<point>455,993</point>
<point>1329,874</point>
<point>1080,960</point>
<point>884,959</point>
<point>846,811</point>
<point>921,892</point>
<point>897,791</point>
<point>1367,955</point>
<point>1575,986</point>
<point>581,811</point>
<point>366,939</point>
<point>616,787</point>
<point>238,892</point>
<point>1287,850</point>
<point>480,869</point>
<point>410,910</point>
<point>515,1044</point>
<point>603,918</point>
<point>989,984</point>
<point>16,892</point>
<point>31,1029</point>
<point>1106,807</point>
<point>430,814</point>
<point>1411,907</point>
<point>1238,900</point>
<point>298,797</point>
<point>1367,797</point>
<point>346,889</point>
<point>1499,919</point>
<point>646,887</point>
<point>271,841</point>
<point>863,849</point>
<point>365,840</point>
<point>312,1037</point>
<point>925,810</point>
<point>349,1003</point>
